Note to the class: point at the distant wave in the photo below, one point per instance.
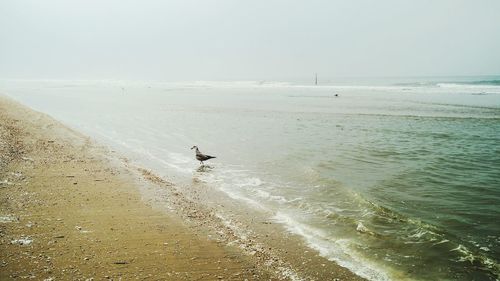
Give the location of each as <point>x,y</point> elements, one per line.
<point>415,84</point>
<point>485,82</point>
<point>493,82</point>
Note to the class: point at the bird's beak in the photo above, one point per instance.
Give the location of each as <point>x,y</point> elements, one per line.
<point>193,147</point>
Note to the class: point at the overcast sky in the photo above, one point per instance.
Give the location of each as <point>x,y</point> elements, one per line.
<point>228,40</point>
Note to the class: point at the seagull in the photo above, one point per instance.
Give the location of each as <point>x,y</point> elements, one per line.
<point>200,156</point>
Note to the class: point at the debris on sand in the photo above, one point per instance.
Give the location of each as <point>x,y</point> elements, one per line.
<point>23,241</point>
<point>8,219</point>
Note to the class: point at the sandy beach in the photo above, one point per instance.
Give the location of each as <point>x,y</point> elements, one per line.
<point>68,214</point>
<point>72,210</point>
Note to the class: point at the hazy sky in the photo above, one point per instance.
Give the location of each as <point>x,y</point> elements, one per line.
<point>227,40</point>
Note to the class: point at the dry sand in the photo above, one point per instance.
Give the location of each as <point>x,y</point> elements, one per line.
<point>68,211</point>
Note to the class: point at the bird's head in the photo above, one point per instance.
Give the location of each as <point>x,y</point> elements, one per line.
<point>194,147</point>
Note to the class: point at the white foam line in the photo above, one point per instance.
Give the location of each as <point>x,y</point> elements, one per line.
<point>240,197</point>
<point>332,250</point>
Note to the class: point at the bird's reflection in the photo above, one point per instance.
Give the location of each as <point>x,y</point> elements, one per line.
<point>204,168</point>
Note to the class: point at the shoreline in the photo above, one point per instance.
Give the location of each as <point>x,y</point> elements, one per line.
<point>84,213</point>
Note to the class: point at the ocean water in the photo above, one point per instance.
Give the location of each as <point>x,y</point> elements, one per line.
<point>396,179</point>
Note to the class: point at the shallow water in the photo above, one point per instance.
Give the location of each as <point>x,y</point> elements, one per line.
<point>394,181</point>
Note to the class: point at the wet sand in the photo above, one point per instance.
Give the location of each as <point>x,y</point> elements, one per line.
<point>71,210</point>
